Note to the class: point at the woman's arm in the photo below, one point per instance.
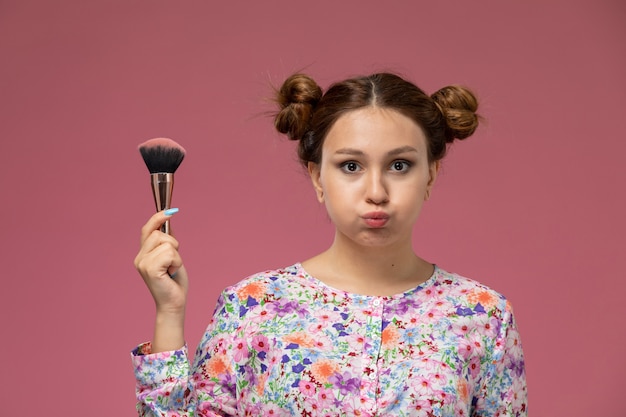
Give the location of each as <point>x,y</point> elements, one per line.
<point>161,267</point>
<point>166,385</point>
<point>503,389</point>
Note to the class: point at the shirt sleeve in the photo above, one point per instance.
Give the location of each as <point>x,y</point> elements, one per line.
<point>503,390</point>
<point>167,386</point>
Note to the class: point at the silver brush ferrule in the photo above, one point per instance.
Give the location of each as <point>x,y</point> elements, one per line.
<point>162,188</point>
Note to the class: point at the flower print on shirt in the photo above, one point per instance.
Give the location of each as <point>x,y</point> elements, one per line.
<point>283,343</point>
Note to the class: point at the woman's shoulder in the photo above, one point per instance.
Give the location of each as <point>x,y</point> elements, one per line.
<point>266,282</point>
<point>268,276</point>
<point>468,292</point>
<point>462,282</point>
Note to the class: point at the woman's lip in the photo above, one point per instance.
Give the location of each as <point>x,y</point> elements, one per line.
<point>375,220</point>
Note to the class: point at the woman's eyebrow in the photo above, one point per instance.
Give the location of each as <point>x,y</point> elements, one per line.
<point>357,152</point>
<point>349,151</point>
<point>401,150</point>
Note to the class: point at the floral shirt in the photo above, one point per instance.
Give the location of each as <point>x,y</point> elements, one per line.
<point>283,343</point>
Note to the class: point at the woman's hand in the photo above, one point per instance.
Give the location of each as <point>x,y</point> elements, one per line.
<point>161,268</point>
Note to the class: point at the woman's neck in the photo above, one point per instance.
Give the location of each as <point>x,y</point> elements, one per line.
<point>369,270</point>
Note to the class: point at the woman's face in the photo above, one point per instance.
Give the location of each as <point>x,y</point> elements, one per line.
<point>374,176</point>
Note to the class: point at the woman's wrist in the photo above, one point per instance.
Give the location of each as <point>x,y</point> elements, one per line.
<point>168,331</point>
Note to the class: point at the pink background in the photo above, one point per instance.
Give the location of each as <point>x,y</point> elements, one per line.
<point>533,205</point>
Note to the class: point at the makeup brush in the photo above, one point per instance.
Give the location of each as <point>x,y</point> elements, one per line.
<point>162,157</point>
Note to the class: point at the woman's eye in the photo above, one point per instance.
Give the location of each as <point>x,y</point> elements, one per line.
<point>350,166</point>
<point>400,166</point>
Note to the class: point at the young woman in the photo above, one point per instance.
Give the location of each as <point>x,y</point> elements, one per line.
<point>365,328</point>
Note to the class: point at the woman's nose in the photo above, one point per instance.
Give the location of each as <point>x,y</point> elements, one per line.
<point>376,189</point>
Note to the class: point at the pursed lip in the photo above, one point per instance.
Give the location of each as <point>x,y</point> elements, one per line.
<point>375,219</point>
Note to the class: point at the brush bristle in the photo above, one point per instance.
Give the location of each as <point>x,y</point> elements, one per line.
<point>162,155</point>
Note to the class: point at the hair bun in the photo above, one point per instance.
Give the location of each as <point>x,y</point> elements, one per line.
<point>458,105</point>
<point>297,99</point>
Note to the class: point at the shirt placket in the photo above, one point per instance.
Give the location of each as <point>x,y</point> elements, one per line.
<point>373,342</point>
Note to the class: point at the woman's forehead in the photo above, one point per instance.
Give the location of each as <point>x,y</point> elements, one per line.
<point>374,129</point>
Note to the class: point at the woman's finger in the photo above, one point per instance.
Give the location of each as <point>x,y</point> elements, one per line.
<point>155,239</point>
<point>158,252</point>
<point>156,221</point>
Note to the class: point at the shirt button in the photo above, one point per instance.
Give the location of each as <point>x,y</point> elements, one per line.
<point>376,302</point>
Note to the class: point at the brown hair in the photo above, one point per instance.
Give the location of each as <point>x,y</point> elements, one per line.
<point>307,115</point>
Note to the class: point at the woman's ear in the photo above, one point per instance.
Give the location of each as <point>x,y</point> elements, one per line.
<point>433,171</point>
<point>315,174</point>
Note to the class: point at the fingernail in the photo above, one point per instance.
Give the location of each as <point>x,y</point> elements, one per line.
<point>170,212</point>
